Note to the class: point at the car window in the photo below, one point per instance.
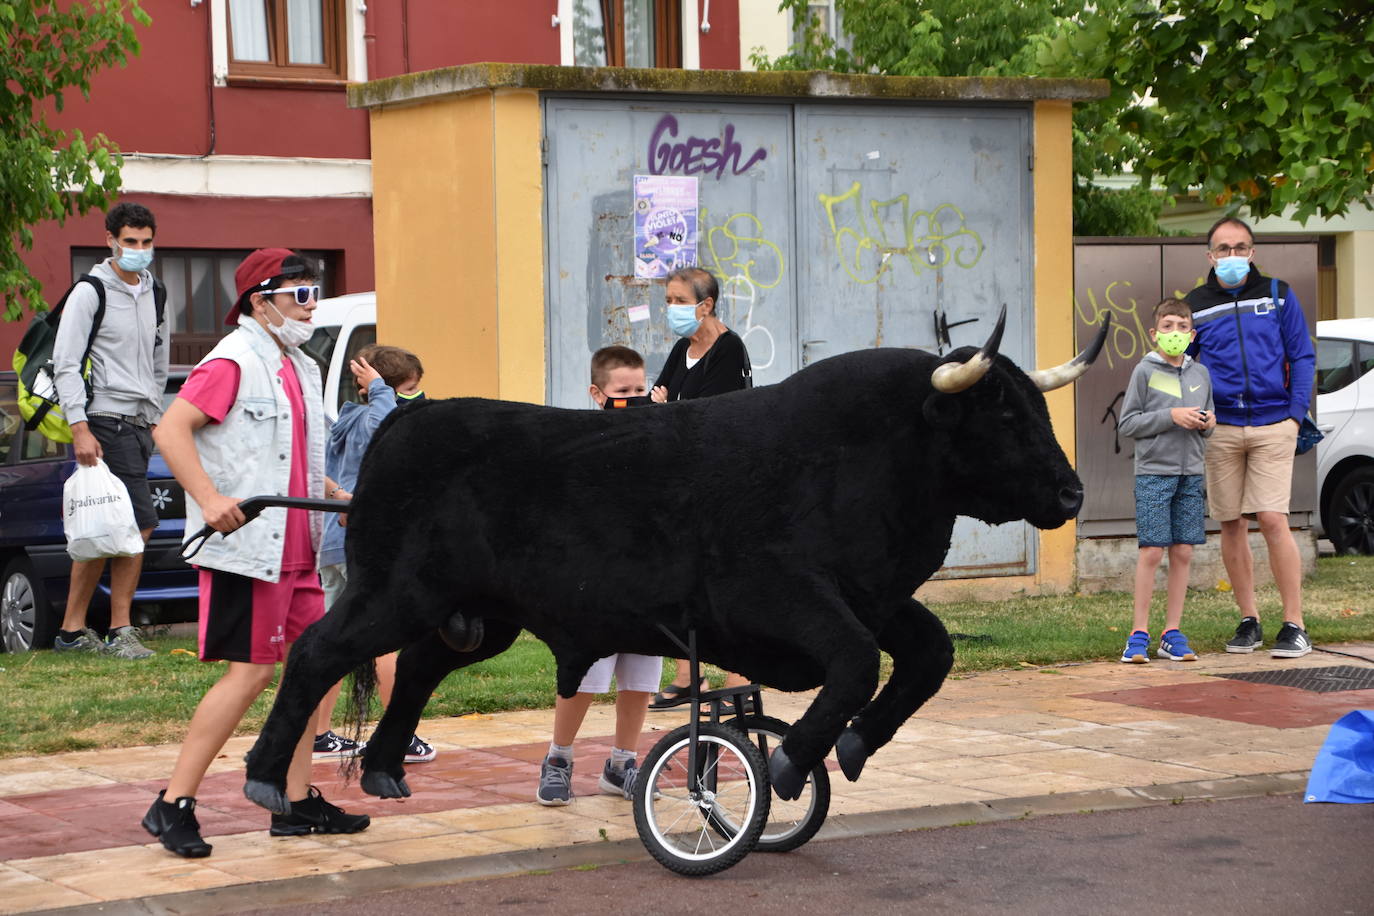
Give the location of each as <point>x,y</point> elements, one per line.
<point>38,447</point>
<point>362,336</point>
<point>1335,364</point>
<point>9,420</point>
<point>320,347</point>
<point>1365,358</point>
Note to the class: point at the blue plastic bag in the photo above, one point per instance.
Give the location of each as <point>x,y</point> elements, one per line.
<point>1344,768</point>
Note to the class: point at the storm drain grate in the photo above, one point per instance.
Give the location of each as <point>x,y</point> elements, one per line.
<point>1317,680</point>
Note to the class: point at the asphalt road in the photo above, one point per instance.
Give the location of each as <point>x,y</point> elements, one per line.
<point>1251,856</point>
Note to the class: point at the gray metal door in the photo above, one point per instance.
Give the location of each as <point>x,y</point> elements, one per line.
<point>910,220</point>
<point>742,158</point>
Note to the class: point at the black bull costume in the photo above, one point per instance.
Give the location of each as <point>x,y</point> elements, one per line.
<point>789,524</point>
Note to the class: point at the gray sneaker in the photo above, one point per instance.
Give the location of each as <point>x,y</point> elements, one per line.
<point>124,643</point>
<point>555,782</point>
<point>88,641</point>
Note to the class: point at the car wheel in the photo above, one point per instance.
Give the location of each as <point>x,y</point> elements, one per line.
<point>26,617</point>
<point>1352,513</point>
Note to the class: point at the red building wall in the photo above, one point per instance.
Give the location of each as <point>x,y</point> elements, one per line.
<point>720,46</point>
<point>341,225</point>
<point>417,36</point>
<point>162,102</point>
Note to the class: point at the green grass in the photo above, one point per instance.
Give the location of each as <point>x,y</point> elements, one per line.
<point>68,702</point>
<point>1067,628</point>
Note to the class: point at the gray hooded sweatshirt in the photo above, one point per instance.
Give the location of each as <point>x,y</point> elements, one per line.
<point>128,359</point>
<point>1162,446</point>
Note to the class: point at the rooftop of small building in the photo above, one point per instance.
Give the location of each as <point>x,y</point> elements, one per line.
<point>429,85</point>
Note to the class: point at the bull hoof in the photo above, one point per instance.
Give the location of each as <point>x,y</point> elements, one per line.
<point>852,753</point>
<point>787,778</point>
<point>383,785</point>
<point>267,796</point>
<point>462,634</point>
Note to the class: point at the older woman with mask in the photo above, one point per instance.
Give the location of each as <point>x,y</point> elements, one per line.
<point>709,359</point>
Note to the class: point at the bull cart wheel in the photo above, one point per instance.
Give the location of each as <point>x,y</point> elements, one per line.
<point>790,824</point>
<point>685,795</point>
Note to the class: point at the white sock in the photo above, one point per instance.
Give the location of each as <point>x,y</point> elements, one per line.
<point>619,758</point>
<point>562,752</point>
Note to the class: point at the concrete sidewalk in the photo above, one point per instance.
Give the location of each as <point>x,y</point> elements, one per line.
<point>989,746</point>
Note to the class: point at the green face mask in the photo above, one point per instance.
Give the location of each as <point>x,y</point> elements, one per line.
<point>1173,343</point>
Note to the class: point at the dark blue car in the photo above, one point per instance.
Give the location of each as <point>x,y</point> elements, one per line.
<point>33,549</point>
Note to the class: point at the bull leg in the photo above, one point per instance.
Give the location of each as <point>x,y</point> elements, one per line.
<point>849,655</point>
<point>922,655</point>
<point>419,671</point>
<point>325,652</point>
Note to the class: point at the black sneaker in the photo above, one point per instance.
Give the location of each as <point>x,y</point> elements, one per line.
<point>313,814</point>
<point>1292,642</point>
<point>176,826</point>
<point>332,745</point>
<point>1249,636</point>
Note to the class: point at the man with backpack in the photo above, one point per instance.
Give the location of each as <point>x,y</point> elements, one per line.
<point>119,328</point>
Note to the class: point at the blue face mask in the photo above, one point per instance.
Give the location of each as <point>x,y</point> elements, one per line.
<point>1233,270</point>
<point>682,320</point>
<point>133,259</point>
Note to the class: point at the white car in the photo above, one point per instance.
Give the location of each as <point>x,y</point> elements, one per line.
<point>343,326</point>
<point>1345,413</point>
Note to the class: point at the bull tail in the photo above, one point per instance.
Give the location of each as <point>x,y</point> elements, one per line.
<point>362,687</point>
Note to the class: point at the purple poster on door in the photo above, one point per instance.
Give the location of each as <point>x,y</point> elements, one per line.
<point>665,224</point>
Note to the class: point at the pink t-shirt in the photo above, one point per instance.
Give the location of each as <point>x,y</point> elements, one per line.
<point>213,387</point>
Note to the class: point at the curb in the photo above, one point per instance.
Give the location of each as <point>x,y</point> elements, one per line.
<point>324,888</point>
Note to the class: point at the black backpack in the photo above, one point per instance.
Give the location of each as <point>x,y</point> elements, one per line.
<point>38,403</point>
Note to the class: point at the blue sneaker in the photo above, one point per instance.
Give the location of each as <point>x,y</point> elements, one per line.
<point>1137,651</point>
<point>1173,645</point>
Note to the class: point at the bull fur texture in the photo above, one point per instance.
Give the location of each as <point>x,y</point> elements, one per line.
<point>788,524</point>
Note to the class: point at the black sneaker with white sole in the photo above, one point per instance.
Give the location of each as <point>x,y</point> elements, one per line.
<point>1292,642</point>
<point>1249,636</point>
<point>332,745</point>
<point>313,814</point>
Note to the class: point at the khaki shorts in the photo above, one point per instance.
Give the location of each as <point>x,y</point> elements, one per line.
<point>1250,469</point>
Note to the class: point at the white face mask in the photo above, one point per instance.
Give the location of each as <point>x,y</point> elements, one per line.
<point>292,332</point>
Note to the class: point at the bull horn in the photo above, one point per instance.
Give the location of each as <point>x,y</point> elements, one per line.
<point>1059,376</point>
<point>952,378</point>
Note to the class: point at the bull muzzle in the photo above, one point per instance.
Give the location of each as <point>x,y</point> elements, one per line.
<point>1059,376</point>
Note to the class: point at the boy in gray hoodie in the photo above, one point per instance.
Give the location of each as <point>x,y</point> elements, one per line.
<point>1168,411</point>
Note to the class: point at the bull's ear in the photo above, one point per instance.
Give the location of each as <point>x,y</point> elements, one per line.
<point>943,411</point>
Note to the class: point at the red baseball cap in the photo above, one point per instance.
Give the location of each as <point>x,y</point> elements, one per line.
<point>259,271</point>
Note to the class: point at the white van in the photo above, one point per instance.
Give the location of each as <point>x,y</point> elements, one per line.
<point>343,326</point>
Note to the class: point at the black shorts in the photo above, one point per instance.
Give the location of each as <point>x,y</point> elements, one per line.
<point>127,449</point>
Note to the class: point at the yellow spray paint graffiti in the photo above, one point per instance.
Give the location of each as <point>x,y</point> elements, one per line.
<point>926,238</point>
<point>745,262</point>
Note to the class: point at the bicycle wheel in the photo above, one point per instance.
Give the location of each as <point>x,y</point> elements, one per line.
<point>674,809</point>
<point>790,823</point>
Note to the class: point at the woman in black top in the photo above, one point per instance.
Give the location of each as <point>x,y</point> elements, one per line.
<point>710,359</point>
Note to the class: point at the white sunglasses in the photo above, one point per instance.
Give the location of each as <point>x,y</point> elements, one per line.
<point>303,293</point>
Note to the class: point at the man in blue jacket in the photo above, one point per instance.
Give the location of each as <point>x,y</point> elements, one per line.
<point>1252,337</point>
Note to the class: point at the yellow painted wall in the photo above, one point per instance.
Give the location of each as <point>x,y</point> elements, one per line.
<point>458,230</point>
<point>1354,272</point>
<point>1054,343</point>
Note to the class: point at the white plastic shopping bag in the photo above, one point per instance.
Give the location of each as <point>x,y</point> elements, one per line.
<point>97,516</point>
